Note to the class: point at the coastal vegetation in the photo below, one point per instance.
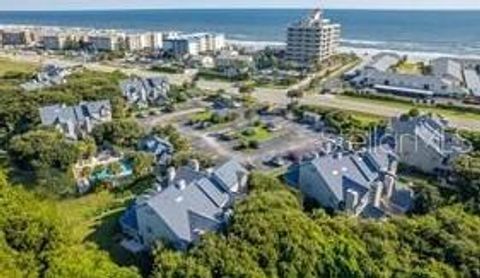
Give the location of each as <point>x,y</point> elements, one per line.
<point>10,68</point>
<point>449,110</point>
<point>271,235</point>
<point>37,239</point>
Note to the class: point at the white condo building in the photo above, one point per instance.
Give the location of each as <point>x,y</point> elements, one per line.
<point>194,44</point>
<point>312,40</point>
<point>106,41</point>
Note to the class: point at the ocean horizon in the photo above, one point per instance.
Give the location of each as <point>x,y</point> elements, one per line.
<point>439,31</point>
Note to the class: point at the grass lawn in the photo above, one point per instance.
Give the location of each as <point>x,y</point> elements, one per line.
<point>409,68</point>
<point>259,134</point>
<point>202,116</point>
<point>94,219</point>
<point>367,118</point>
<point>7,65</point>
<point>405,106</point>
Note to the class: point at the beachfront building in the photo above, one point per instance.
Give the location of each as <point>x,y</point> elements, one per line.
<point>145,91</point>
<point>362,183</point>
<point>472,81</point>
<point>425,143</point>
<point>384,62</point>
<point>76,121</point>
<point>185,205</point>
<point>106,41</point>
<point>138,41</point>
<point>312,40</point>
<point>54,41</point>
<point>381,75</point>
<point>16,37</point>
<point>194,44</point>
<point>449,70</point>
<point>155,40</point>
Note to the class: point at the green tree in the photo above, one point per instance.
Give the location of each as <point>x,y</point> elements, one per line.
<point>124,133</point>
<point>142,163</point>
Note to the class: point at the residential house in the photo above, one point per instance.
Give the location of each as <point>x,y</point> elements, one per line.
<point>49,75</point>
<point>145,91</point>
<point>162,149</point>
<point>425,142</point>
<point>184,206</point>
<point>361,183</point>
<point>76,121</point>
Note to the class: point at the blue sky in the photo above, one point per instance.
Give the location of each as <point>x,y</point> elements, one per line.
<point>140,4</point>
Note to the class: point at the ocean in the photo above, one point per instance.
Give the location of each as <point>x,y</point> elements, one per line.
<point>454,32</point>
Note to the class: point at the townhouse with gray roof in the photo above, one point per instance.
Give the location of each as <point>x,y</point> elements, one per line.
<point>49,75</point>
<point>445,80</point>
<point>362,183</point>
<point>186,204</point>
<point>425,143</point>
<point>145,91</point>
<point>76,121</point>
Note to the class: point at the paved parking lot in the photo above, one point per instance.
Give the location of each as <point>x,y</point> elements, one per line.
<point>291,137</point>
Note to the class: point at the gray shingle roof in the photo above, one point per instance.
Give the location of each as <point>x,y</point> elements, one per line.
<point>73,115</point>
<point>200,206</point>
<point>229,174</point>
<point>432,131</point>
<point>356,170</point>
<point>384,61</point>
<point>49,115</point>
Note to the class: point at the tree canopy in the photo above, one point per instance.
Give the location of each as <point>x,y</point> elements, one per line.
<point>35,242</point>
<point>271,236</point>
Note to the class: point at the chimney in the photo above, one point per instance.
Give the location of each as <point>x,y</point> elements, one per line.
<point>195,165</point>
<point>328,147</point>
<point>338,155</point>
<point>376,194</point>
<point>181,185</point>
<point>389,186</point>
<point>348,145</point>
<point>171,173</point>
<point>351,200</point>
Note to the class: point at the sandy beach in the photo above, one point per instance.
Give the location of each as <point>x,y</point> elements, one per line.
<point>416,56</point>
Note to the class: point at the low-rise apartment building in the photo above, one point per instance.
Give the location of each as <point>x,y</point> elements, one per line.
<point>362,183</point>
<point>426,143</point>
<point>186,204</point>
